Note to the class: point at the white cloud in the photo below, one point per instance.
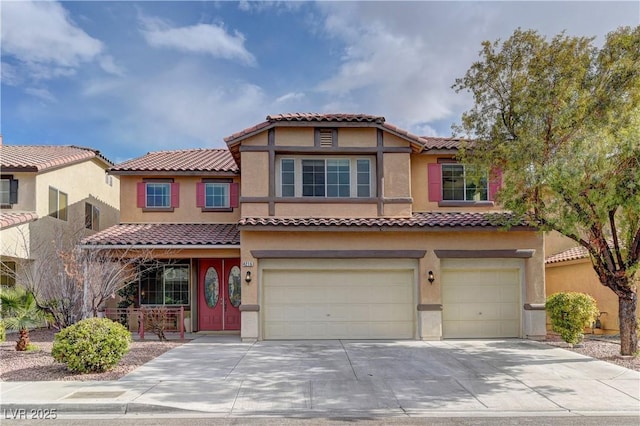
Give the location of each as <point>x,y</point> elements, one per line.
<point>401,61</point>
<point>291,96</point>
<point>200,38</point>
<point>45,42</point>
<point>40,93</point>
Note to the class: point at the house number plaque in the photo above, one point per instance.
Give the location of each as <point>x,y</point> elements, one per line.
<point>247,264</point>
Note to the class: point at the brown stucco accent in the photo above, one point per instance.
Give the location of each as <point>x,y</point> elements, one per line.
<point>284,149</point>
<point>484,254</point>
<point>249,308</point>
<point>338,254</point>
<point>429,307</point>
<point>534,307</point>
<point>380,170</point>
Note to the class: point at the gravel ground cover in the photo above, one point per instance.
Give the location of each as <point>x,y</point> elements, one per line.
<point>40,366</point>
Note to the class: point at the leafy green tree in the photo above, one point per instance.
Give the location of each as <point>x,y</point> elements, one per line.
<point>20,312</point>
<point>561,119</point>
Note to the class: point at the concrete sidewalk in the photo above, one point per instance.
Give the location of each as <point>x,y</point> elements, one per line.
<point>221,376</point>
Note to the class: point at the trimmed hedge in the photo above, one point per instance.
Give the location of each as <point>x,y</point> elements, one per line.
<point>570,313</point>
<point>91,345</point>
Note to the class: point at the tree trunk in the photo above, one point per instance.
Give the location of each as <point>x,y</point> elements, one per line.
<point>24,341</point>
<point>628,324</point>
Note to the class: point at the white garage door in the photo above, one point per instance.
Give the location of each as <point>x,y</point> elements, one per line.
<point>331,300</point>
<point>480,302</point>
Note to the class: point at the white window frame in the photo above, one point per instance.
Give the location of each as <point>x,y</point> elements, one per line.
<point>353,175</point>
<point>146,195</point>
<point>227,195</point>
<point>58,213</point>
<point>466,182</point>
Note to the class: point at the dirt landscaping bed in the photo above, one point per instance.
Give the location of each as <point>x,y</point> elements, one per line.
<point>40,366</point>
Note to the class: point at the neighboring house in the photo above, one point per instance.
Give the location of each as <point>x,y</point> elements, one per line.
<point>569,268</point>
<point>49,192</point>
<point>324,226</point>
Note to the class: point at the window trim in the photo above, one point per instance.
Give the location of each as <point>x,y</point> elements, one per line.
<point>232,195</point>
<point>465,188</point>
<point>353,176</point>
<point>174,195</point>
<point>162,268</point>
<point>91,220</point>
<point>56,214</point>
<point>13,191</point>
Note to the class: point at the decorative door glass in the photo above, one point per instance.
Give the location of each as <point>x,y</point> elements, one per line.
<point>234,286</point>
<point>211,292</point>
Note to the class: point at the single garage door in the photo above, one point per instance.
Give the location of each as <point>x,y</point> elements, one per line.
<point>481,301</point>
<point>316,299</point>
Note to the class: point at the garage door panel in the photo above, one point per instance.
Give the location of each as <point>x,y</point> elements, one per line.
<point>328,304</point>
<point>481,303</point>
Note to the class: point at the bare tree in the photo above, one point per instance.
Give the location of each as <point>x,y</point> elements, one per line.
<point>72,283</point>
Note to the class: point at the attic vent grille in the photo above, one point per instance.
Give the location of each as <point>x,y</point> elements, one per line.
<point>326,138</point>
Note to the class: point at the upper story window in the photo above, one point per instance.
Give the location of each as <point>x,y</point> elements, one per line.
<point>158,194</point>
<point>58,203</point>
<point>217,195</point>
<point>329,177</point>
<point>8,191</point>
<point>91,217</point>
<point>458,183</point>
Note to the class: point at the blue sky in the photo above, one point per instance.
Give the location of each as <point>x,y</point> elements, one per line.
<point>131,77</point>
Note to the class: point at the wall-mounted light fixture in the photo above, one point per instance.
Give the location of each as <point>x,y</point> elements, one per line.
<point>431,278</point>
<point>247,277</point>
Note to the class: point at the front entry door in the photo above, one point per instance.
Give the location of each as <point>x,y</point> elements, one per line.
<point>219,294</point>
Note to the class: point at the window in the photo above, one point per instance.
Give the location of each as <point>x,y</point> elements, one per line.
<point>337,177</point>
<point>460,184</point>
<point>91,217</point>
<point>158,194</point>
<point>457,183</point>
<point>165,285</point>
<point>58,202</point>
<point>8,191</point>
<point>217,195</point>
<point>8,273</point>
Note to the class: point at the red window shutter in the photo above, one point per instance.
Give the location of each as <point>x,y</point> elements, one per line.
<point>435,182</point>
<point>200,194</point>
<point>495,182</point>
<point>142,195</point>
<point>175,195</point>
<point>233,195</point>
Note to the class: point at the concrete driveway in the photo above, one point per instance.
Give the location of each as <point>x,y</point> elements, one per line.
<point>219,374</point>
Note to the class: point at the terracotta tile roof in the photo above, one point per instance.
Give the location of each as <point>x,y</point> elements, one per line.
<point>166,234</point>
<point>418,220</point>
<point>574,253</point>
<point>312,116</point>
<point>188,160</point>
<point>441,143</point>
<point>36,158</point>
<point>9,218</point>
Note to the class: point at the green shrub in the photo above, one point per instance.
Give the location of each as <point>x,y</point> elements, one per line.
<point>91,345</point>
<point>570,313</point>
<point>3,331</point>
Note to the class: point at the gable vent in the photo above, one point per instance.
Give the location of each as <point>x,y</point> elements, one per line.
<point>326,138</point>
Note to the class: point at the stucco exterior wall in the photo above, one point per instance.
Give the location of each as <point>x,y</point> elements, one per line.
<point>14,242</point>
<point>555,242</point>
<point>397,180</point>
<point>81,182</point>
<point>429,294</point>
<point>326,210</point>
<point>364,137</point>
<point>578,275</point>
<point>186,212</point>
<point>255,177</point>
<point>293,136</point>
<point>26,192</point>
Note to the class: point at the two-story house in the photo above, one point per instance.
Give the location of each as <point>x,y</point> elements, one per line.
<point>48,193</point>
<point>345,227</point>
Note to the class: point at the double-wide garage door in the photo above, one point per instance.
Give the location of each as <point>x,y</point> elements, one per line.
<point>336,299</point>
<point>481,298</point>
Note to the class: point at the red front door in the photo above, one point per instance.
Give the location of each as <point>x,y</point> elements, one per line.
<point>219,294</point>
